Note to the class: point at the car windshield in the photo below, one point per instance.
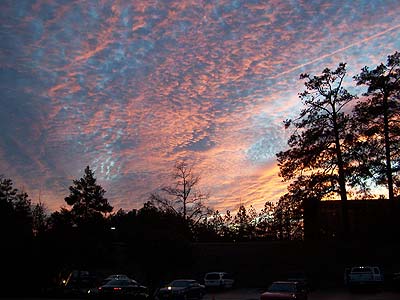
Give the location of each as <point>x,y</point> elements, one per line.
<point>282,287</point>
<point>117,277</point>
<point>213,276</point>
<point>120,282</point>
<point>361,270</point>
<point>180,283</point>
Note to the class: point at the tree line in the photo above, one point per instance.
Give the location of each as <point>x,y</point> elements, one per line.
<point>86,235</point>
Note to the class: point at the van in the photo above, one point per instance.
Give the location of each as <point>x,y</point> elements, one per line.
<point>218,280</point>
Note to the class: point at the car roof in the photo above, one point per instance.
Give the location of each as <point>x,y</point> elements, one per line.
<point>183,279</point>
<point>119,281</point>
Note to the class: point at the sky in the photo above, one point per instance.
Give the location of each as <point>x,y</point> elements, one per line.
<point>131,87</point>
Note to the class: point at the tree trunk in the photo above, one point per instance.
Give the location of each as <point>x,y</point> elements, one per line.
<point>387,149</point>
<point>342,181</point>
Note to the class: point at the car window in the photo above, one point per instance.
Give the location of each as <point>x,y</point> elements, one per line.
<point>213,276</point>
<point>282,287</point>
<point>228,276</point>
<point>180,283</point>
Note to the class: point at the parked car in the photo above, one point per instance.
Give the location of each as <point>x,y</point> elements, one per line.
<point>301,277</point>
<point>285,290</point>
<point>370,276</point>
<point>121,288</point>
<point>78,282</point>
<point>181,289</point>
<point>218,280</point>
<point>396,280</point>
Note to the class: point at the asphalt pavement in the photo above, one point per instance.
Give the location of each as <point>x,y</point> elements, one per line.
<point>325,294</point>
<point>254,294</point>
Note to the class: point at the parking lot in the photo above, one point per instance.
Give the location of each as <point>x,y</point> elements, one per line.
<point>326,294</point>
<point>254,294</point>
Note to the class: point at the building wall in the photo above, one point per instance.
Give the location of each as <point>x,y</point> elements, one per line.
<point>368,219</point>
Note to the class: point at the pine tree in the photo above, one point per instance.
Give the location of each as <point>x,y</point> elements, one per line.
<point>87,198</point>
<point>318,144</point>
<point>377,123</point>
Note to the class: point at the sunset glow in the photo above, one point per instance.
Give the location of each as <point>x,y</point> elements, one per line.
<point>130,87</point>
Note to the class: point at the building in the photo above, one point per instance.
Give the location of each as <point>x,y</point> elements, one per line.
<point>367,219</point>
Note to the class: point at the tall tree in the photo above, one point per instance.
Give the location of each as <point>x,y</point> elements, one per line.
<point>265,221</point>
<point>288,218</point>
<point>40,218</point>
<point>242,224</point>
<point>378,122</point>
<point>184,198</point>
<point>216,224</point>
<point>15,236</point>
<point>23,214</point>
<point>87,198</point>
<point>15,211</point>
<point>228,229</point>
<point>7,197</point>
<point>317,145</point>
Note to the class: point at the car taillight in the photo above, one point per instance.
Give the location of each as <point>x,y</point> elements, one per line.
<point>117,289</point>
<point>99,288</point>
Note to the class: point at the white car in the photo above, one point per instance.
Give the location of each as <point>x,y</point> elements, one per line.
<point>218,280</point>
<point>365,275</point>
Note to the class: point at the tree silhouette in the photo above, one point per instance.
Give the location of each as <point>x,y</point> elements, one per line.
<point>211,228</point>
<point>319,139</point>
<point>87,198</point>
<point>39,219</point>
<point>184,197</point>
<point>241,223</point>
<point>265,221</point>
<point>288,217</point>
<point>16,235</point>
<point>15,211</point>
<point>23,214</point>
<point>377,122</point>
<point>7,196</point>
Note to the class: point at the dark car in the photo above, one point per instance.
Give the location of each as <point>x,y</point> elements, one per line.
<point>396,280</point>
<point>121,288</point>
<point>181,289</point>
<point>285,290</point>
<point>78,282</point>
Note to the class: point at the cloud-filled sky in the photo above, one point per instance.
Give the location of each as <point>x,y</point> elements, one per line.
<point>130,87</point>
